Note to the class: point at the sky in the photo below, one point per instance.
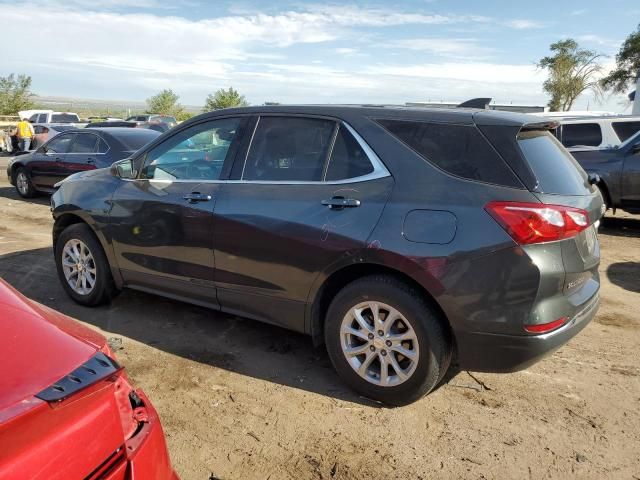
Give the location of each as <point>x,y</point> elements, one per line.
<point>305,51</point>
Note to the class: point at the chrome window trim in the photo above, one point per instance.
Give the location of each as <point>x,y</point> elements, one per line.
<point>379,169</point>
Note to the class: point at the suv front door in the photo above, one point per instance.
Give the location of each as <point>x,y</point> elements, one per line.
<point>161,223</point>
<point>307,197</point>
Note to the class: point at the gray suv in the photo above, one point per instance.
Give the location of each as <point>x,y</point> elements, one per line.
<point>406,240</point>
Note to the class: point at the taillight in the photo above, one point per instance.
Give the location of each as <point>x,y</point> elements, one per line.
<point>537,222</point>
<point>546,327</point>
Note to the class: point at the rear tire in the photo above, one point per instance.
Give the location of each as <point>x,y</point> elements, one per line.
<point>83,268</point>
<point>361,355</point>
<point>24,186</point>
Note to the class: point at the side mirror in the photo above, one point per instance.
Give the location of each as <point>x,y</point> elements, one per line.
<point>635,149</point>
<point>124,169</point>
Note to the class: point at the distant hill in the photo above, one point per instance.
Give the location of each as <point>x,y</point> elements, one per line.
<point>91,106</point>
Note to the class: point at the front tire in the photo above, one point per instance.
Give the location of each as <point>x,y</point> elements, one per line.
<point>83,267</point>
<point>24,186</point>
<point>386,341</point>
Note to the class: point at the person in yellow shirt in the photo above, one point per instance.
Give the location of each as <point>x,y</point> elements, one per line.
<point>25,134</point>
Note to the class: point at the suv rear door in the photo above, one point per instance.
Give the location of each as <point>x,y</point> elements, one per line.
<point>81,154</point>
<point>307,190</point>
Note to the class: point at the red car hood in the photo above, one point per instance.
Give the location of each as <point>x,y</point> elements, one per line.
<point>38,346</point>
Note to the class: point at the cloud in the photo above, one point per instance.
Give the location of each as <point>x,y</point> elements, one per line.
<point>462,48</point>
<point>131,55</point>
<point>523,24</point>
<point>580,11</point>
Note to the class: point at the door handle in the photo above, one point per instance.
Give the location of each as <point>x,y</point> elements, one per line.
<point>338,203</point>
<point>195,197</point>
<point>90,160</point>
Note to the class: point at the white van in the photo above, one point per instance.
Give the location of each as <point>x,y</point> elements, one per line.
<point>599,132</point>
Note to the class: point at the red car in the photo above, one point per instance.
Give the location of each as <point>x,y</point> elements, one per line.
<point>67,408</point>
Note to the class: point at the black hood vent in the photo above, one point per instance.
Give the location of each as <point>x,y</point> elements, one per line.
<point>92,371</point>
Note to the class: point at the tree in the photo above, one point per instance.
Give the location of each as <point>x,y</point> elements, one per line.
<point>15,94</point>
<point>183,116</point>
<point>572,71</point>
<point>627,65</point>
<point>224,99</point>
<point>165,103</point>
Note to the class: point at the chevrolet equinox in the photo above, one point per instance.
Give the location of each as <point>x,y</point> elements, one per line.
<point>403,239</point>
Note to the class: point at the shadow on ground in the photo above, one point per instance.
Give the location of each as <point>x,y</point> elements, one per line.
<point>202,335</point>
<point>620,226</point>
<point>625,275</point>
<point>12,194</point>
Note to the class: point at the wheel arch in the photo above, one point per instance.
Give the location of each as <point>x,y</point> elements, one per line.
<point>66,219</point>
<point>14,169</point>
<point>337,280</point>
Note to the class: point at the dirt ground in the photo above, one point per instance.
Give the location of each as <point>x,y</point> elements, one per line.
<point>242,400</point>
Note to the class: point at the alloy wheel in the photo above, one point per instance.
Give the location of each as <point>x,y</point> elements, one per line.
<point>379,343</point>
<point>22,183</point>
<point>79,267</point>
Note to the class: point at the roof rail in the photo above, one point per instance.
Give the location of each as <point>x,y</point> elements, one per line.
<point>482,103</point>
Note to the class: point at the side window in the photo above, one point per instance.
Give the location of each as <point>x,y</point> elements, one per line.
<point>626,130</point>
<point>460,150</point>
<point>42,118</point>
<point>59,144</point>
<point>83,143</point>
<point>102,146</point>
<point>197,153</point>
<point>289,149</point>
<point>33,118</point>
<point>348,159</point>
<point>581,134</point>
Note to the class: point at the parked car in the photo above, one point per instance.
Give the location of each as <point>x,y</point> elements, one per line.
<point>67,408</point>
<point>169,120</point>
<point>401,238</point>
<point>73,151</point>
<point>602,132</point>
<point>95,119</point>
<point>616,172</point>
<point>46,131</point>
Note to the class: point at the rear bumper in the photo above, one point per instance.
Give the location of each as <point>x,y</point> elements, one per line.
<point>146,451</point>
<point>489,352</point>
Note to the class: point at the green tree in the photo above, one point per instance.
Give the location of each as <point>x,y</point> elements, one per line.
<point>183,116</point>
<point>224,99</point>
<point>165,103</point>
<point>572,71</point>
<point>627,65</point>
<point>15,94</point>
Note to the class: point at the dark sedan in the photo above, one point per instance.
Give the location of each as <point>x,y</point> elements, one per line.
<point>74,151</point>
<point>616,172</point>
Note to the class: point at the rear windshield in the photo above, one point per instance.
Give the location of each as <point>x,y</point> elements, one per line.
<point>162,118</point>
<point>64,128</point>
<point>556,170</point>
<point>136,138</point>
<point>64,118</point>
<point>626,130</point>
